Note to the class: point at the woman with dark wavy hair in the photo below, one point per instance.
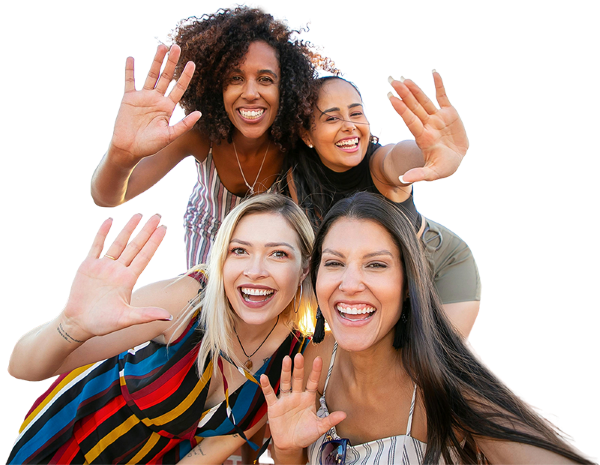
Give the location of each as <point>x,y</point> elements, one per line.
<point>402,387</point>
<point>250,79</point>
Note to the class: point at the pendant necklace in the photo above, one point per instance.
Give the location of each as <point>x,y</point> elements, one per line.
<point>248,363</point>
<point>250,187</point>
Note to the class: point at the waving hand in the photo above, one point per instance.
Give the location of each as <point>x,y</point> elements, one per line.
<point>439,133</point>
<point>99,301</point>
<point>142,124</point>
<point>292,417</point>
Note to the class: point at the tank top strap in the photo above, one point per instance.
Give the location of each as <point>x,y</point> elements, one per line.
<point>333,352</point>
<point>411,412</point>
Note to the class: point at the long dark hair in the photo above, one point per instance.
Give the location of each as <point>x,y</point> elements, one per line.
<point>461,396</point>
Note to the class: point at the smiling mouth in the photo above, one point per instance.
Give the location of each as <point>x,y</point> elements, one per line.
<point>250,294</point>
<point>251,114</point>
<point>355,313</point>
<point>347,143</point>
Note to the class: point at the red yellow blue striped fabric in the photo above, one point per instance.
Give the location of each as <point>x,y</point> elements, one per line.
<point>145,405</point>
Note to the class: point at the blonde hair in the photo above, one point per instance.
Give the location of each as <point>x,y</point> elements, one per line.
<point>216,316</point>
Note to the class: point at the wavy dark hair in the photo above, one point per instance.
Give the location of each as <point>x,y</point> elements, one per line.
<point>459,393</point>
<point>218,42</point>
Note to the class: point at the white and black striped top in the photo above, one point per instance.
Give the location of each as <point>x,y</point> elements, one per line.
<point>402,449</point>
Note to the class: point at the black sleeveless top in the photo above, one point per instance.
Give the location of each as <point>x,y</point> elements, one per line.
<point>319,188</point>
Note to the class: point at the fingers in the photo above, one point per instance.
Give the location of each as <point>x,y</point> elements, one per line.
<point>267,390</point>
<point>184,125</point>
<point>298,376</point>
<point>159,78</point>
<point>440,90</point>
<point>421,174</point>
<point>139,251</point>
<point>129,75</point>
<point>414,98</point>
<point>313,379</point>
<point>331,420</point>
<point>414,124</point>
<point>98,243</point>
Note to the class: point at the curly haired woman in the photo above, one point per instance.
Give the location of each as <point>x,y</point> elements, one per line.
<point>251,84</point>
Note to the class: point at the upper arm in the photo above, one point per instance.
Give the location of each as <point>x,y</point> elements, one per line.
<point>322,350</point>
<point>173,295</point>
<point>506,452</point>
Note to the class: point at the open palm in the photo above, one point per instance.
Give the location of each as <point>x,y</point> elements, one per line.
<point>99,301</point>
<point>142,125</point>
<point>439,133</point>
<point>293,420</point>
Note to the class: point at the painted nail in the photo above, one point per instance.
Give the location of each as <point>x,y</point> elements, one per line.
<point>159,215</point>
<point>401,79</point>
<point>167,319</point>
<point>401,178</point>
<point>391,79</point>
<point>433,71</point>
<point>390,95</point>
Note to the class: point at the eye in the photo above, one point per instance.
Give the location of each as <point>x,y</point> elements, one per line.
<point>377,265</point>
<point>332,263</point>
<point>357,114</point>
<point>332,119</point>
<point>237,251</point>
<point>235,79</point>
<point>266,80</point>
<point>280,254</point>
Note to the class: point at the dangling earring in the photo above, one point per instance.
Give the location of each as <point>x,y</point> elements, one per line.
<point>319,328</point>
<point>297,307</point>
<point>401,329</point>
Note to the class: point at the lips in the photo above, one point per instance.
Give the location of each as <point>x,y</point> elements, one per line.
<point>251,114</point>
<point>355,312</point>
<point>349,144</point>
<point>254,296</point>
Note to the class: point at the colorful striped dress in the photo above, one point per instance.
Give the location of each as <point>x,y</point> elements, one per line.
<point>209,204</point>
<point>145,405</point>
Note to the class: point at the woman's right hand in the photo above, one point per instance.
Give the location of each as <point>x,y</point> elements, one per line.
<point>293,421</point>
<point>99,301</point>
<point>142,124</point>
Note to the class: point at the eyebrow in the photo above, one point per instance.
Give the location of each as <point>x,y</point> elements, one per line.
<point>268,244</point>
<point>369,255</point>
<point>260,71</point>
<point>352,105</point>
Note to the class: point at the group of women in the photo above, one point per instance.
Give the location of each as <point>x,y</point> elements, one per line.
<point>189,369</point>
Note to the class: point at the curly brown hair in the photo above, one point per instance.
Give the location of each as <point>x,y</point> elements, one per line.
<point>218,42</point>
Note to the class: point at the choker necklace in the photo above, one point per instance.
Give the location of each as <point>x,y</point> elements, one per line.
<point>250,187</point>
<point>248,363</point>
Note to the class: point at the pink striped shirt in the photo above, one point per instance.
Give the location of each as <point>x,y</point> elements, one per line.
<point>209,203</point>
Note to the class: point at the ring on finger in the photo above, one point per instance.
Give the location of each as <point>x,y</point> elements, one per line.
<point>109,256</point>
<point>312,391</point>
<point>285,391</point>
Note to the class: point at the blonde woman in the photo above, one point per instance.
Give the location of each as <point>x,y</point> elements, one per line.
<point>149,376</point>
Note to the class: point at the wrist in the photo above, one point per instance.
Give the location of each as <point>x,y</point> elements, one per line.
<point>70,331</point>
<point>121,159</point>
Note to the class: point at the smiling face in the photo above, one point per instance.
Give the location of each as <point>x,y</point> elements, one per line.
<point>341,132</point>
<point>251,94</point>
<point>263,268</point>
<point>360,283</point>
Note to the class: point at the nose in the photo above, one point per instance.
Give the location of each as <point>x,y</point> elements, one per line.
<point>250,90</point>
<point>348,126</point>
<point>255,269</point>
<point>352,282</point>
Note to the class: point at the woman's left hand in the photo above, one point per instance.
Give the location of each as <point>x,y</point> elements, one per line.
<point>439,133</point>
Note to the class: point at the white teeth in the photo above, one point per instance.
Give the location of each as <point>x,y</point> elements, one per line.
<point>347,142</point>
<point>354,311</point>
<point>252,114</point>
<point>253,291</point>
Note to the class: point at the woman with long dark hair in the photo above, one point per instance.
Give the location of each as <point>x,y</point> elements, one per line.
<point>402,387</point>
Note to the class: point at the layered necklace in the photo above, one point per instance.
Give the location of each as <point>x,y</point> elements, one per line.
<point>250,187</point>
<point>248,362</point>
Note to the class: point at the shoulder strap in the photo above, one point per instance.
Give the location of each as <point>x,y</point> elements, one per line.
<point>333,352</point>
<point>411,412</point>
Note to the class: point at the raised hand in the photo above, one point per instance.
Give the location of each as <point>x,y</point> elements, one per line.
<point>439,133</point>
<point>99,301</point>
<point>142,124</point>
<point>293,421</point>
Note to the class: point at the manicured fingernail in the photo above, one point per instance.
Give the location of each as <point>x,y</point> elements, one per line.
<point>391,79</point>
<point>391,94</point>
<point>401,79</point>
<point>167,319</point>
<point>159,215</point>
<point>401,178</point>
<point>434,71</point>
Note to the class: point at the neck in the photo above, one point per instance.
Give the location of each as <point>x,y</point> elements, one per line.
<point>250,334</point>
<point>248,148</point>
<point>371,366</point>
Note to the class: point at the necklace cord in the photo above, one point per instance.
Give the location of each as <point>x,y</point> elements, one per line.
<point>250,187</point>
<point>261,344</point>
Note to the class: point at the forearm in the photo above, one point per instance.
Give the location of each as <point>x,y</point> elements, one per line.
<point>40,353</point>
<point>400,158</point>
<point>110,180</point>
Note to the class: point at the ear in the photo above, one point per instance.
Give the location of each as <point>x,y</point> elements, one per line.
<point>305,136</point>
<point>304,274</point>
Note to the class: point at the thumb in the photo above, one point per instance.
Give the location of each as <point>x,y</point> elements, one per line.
<point>330,421</point>
<point>419,174</point>
<point>140,315</point>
